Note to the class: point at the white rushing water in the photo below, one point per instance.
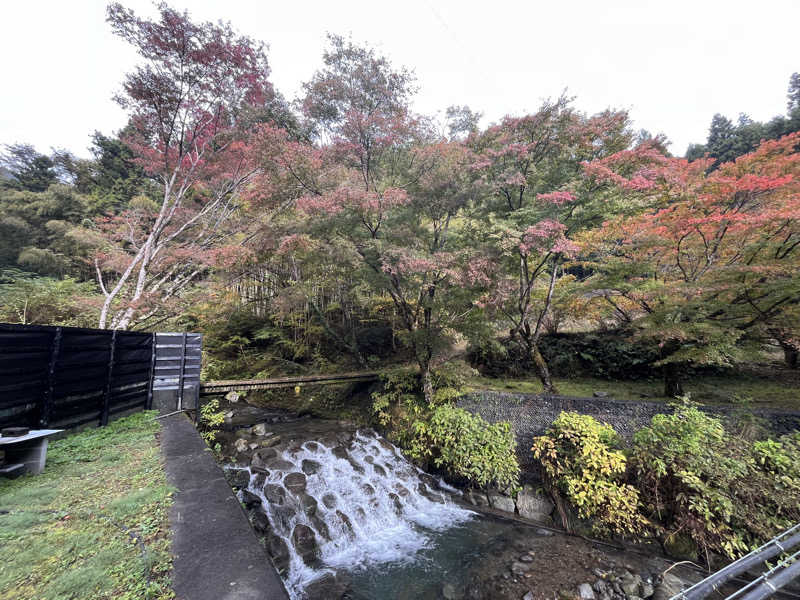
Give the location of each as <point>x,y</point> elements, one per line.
<point>365,506</point>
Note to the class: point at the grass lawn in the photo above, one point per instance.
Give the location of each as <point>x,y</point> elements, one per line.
<point>94,524</point>
<point>773,389</point>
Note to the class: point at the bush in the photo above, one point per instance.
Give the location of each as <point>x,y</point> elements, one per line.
<point>467,447</point>
<point>727,494</point>
<point>462,445</point>
<point>581,461</point>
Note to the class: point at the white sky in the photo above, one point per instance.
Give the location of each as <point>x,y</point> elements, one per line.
<point>672,63</point>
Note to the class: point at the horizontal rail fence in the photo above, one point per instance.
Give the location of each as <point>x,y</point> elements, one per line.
<point>178,360</point>
<point>64,377</point>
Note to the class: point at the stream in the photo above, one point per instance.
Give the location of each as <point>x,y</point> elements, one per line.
<point>344,515</point>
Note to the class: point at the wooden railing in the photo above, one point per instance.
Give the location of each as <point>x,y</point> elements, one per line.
<point>209,388</point>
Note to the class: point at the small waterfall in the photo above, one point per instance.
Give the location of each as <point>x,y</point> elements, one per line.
<point>346,506</point>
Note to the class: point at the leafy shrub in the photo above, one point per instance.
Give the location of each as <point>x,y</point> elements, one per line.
<point>726,493</point>
<point>211,417</point>
<point>581,461</point>
<point>463,445</point>
<point>466,446</point>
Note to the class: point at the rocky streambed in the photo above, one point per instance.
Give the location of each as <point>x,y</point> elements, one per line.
<point>343,514</point>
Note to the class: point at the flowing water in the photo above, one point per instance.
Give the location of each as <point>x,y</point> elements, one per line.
<point>365,505</point>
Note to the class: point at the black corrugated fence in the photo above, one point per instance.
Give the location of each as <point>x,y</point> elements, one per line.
<point>62,377</point>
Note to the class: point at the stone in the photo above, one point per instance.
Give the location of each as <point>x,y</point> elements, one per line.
<point>275,494</point>
<point>646,590</point>
<point>533,505</point>
<point>272,440</point>
<point>518,568</point>
<point>680,546</point>
<point>238,478</point>
<point>278,464</point>
<point>369,459</point>
<point>295,482</point>
<point>312,447</point>
<point>304,541</point>
<point>260,522</point>
<point>340,452</point>
<point>585,591</point>
<point>398,504</point>
<point>346,522</point>
<point>329,500</point>
<point>321,527</point>
<point>308,504</point>
<point>326,587</point>
<point>630,584</point>
<point>501,502</point>
<point>260,429</point>
<point>401,490</point>
<point>249,499</point>
<point>528,596</point>
<point>379,470</point>
<point>310,467</point>
<point>241,445</point>
<point>476,498</point>
<point>671,585</point>
<point>232,396</point>
<point>449,592</point>
<point>526,558</point>
<point>261,457</point>
<point>600,394</point>
<point>567,595</point>
<point>368,489</point>
<point>278,551</point>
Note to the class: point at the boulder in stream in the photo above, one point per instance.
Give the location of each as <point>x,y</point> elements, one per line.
<point>310,467</point>
<point>249,499</point>
<point>295,482</point>
<point>305,543</point>
<point>275,494</point>
<point>278,551</point>
<point>501,502</point>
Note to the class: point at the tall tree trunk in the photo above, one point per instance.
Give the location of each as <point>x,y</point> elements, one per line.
<point>427,383</point>
<point>791,353</point>
<point>673,387</point>
<point>542,370</point>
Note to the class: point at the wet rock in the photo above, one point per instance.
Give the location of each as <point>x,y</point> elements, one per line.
<point>379,470</point>
<point>476,498</point>
<point>312,447</point>
<point>585,591</point>
<point>261,457</point>
<point>321,527</point>
<point>278,464</point>
<point>232,396</point>
<point>398,504</point>
<point>329,500</point>
<point>340,452</point>
<point>241,445</point>
<point>532,505</point>
<point>308,504</point>
<point>369,459</point>
<point>360,513</point>
<point>646,590</point>
<point>368,489</point>
<point>348,524</point>
<point>450,592</point>
<point>305,543</point>
<point>260,522</point>
<point>310,467</point>
<point>259,478</point>
<point>275,494</point>
<point>249,499</point>
<point>278,551</point>
<point>270,441</point>
<point>429,480</point>
<point>600,394</point>
<point>260,429</point>
<point>501,502</point>
<point>238,478</point>
<point>526,558</point>
<point>327,587</point>
<point>630,584</point>
<point>295,482</point>
<point>528,596</point>
<point>401,490</point>
<point>671,585</point>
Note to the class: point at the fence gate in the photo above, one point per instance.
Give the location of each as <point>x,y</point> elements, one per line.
<point>178,359</point>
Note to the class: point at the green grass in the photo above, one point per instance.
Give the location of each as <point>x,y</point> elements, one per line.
<point>94,525</point>
<point>776,390</point>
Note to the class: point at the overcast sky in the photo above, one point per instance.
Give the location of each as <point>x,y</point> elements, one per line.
<point>673,64</point>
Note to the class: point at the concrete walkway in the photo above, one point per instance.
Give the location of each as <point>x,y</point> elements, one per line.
<point>217,554</point>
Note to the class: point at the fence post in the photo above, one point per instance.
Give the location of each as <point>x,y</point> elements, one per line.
<point>46,410</point>
<point>181,374</point>
<point>149,403</point>
<point>107,393</point>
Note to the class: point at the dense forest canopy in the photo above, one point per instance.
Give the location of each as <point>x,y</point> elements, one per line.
<point>343,224</point>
